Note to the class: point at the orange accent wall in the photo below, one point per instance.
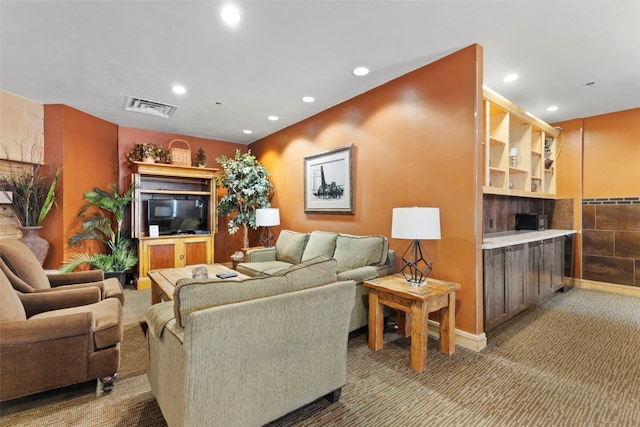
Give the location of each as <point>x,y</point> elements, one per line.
<point>225,244</point>
<point>569,179</point>
<point>612,155</point>
<point>416,143</point>
<point>600,158</point>
<point>86,148</point>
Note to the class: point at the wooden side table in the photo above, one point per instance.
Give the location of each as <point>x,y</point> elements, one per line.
<point>244,252</point>
<point>416,302</point>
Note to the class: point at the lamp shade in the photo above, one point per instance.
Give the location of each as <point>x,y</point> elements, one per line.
<point>267,217</point>
<point>416,223</point>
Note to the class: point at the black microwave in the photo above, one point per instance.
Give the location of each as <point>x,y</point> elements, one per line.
<point>531,221</point>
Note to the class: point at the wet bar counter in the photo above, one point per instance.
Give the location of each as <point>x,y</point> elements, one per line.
<point>516,237</point>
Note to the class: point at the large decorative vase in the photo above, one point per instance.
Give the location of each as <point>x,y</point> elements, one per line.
<point>39,246</point>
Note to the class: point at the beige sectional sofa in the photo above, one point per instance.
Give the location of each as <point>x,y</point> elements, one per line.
<point>359,258</point>
<point>238,352</point>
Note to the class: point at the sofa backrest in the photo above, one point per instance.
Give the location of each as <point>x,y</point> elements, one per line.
<point>196,294</point>
<point>359,251</point>
<point>28,274</point>
<point>290,246</point>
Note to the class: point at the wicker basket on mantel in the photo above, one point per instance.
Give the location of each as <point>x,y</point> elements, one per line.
<point>180,156</point>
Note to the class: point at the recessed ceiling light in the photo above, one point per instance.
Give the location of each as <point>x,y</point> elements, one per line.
<point>360,71</point>
<point>552,108</point>
<point>179,89</point>
<point>308,99</point>
<point>230,15</point>
<point>272,118</point>
<point>247,131</point>
<point>510,78</point>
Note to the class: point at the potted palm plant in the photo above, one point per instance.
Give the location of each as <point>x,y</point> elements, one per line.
<point>248,188</point>
<point>32,196</point>
<point>102,218</point>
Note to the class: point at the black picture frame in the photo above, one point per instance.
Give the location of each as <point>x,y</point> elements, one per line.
<point>328,181</point>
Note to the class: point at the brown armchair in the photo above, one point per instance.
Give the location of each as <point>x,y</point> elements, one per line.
<point>55,339</point>
<point>27,275</point>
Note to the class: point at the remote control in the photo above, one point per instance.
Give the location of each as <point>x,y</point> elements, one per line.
<point>226,275</point>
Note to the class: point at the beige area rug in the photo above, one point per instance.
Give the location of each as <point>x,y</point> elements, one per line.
<point>134,356</point>
<point>573,361</point>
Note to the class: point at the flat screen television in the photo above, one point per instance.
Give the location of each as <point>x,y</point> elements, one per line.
<point>178,216</point>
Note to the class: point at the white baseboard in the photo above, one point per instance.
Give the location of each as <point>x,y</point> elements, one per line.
<point>463,339</point>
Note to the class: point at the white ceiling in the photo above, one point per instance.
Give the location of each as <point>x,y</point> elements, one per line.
<point>91,54</point>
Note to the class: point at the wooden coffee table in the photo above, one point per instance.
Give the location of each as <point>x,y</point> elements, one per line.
<point>416,302</point>
<point>163,282</point>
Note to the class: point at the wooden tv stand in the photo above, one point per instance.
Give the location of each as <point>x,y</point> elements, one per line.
<point>154,180</point>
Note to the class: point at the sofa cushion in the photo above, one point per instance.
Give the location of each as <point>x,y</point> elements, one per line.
<point>320,243</point>
<point>359,274</point>
<point>24,263</point>
<point>11,308</point>
<point>196,294</point>
<point>290,245</point>
<point>359,251</point>
<point>254,269</point>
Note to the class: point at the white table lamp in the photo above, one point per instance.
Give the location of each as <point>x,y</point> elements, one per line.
<point>266,218</point>
<point>416,224</point>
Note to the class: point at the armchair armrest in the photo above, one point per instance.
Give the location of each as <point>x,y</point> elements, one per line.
<point>60,279</point>
<point>157,316</point>
<point>261,254</point>
<point>37,330</point>
<point>39,302</point>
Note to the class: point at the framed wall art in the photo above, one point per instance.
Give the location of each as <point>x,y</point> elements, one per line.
<point>328,181</point>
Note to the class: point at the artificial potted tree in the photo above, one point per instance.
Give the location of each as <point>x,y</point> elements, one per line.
<point>102,218</point>
<point>201,158</point>
<point>248,188</point>
<point>32,196</point>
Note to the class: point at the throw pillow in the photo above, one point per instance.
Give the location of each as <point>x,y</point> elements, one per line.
<point>359,251</point>
<point>290,245</point>
<point>320,243</point>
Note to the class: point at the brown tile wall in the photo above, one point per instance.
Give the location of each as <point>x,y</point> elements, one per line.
<point>611,240</point>
<point>499,212</point>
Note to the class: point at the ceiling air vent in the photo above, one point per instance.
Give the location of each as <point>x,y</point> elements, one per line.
<point>148,107</point>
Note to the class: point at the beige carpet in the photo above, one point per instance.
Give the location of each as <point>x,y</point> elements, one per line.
<point>573,361</point>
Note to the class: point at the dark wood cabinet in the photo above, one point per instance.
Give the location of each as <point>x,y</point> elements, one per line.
<point>515,265</point>
<point>551,266</point>
<point>519,276</point>
<point>496,310</point>
<point>557,264</point>
<point>533,266</point>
